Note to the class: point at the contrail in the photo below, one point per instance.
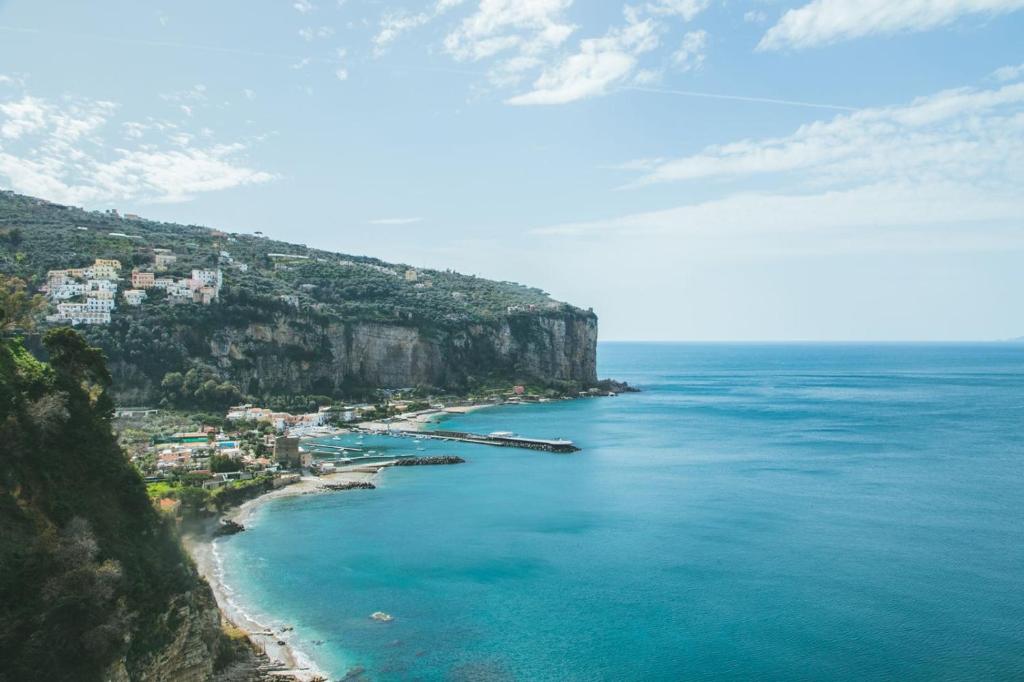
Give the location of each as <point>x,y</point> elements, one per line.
<point>740,98</point>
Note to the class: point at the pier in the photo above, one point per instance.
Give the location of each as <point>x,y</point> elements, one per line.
<point>498,439</point>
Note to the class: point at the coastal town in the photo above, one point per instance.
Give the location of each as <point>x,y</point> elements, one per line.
<point>220,461</point>
<point>88,295</point>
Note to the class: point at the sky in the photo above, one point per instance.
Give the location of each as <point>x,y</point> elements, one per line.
<point>690,169</point>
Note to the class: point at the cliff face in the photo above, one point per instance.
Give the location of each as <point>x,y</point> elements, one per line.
<point>286,353</point>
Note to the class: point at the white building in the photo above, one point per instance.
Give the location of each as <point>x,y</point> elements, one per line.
<point>101,285</point>
<point>99,305</point>
<point>62,292</point>
<point>134,296</point>
<point>102,270</point>
<point>80,313</point>
<point>207,278</point>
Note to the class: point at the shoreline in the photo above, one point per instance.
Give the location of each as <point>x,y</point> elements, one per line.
<point>414,422</point>
<point>292,662</point>
<point>277,642</point>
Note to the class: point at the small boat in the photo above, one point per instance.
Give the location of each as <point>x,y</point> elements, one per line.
<point>382,617</point>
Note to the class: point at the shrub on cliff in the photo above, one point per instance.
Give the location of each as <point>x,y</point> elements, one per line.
<point>88,571</point>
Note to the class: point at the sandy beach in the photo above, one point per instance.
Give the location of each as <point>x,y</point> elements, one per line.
<point>271,637</point>
<point>418,421</point>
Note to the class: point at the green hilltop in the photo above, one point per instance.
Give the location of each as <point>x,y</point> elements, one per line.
<point>292,323</point>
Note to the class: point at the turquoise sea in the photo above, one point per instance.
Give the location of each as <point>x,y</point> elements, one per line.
<point>770,512</point>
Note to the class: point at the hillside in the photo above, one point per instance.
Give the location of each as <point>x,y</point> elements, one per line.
<point>289,320</point>
<point>93,584</point>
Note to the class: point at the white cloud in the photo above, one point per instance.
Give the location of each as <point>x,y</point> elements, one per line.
<point>599,64</point>
<point>755,16</point>
<point>827,21</point>
<point>527,27</point>
<point>395,221</point>
<point>691,53</point>
<point>1009,73</point>
<point>647,76</point>
<point>395,23</point>
<point>687,9</point>
<point>310,33</point>
<point>197,93</point>
<point>303,6</point>
<point>22,117</point>
<point>956,133</point>
<point>941,173</point>
<point>745,219</point>
<point>341,72</point>
<point>56,151</point>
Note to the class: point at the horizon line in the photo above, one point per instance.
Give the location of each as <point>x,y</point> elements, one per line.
<point>812,341</point>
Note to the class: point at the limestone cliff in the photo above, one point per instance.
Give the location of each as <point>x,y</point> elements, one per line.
<point>288,352</point>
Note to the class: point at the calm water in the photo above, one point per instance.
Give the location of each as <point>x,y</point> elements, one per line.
<point>767,512</point>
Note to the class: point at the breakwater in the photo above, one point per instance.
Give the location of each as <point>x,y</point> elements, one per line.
<point>505,441</point>
<point>428,461</point>
<point>497,438</point>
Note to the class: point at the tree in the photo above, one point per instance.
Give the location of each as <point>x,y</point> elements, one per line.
<point>223,464</point>
<point>17,307</point>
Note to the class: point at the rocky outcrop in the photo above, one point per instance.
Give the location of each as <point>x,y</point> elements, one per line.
<point>192,653</point>
<point>291,353</point>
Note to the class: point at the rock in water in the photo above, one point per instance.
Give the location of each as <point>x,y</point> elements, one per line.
<point>228,527</point>
<point>382,617</point>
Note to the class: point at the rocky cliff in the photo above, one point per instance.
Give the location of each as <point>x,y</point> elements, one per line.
<point>288,352</point>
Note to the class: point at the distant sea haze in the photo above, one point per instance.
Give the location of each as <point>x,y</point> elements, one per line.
<point>775,512</point>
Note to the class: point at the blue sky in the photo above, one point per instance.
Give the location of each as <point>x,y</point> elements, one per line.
<point>691,169</point>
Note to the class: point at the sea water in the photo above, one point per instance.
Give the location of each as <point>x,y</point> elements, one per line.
<point>772,512</point>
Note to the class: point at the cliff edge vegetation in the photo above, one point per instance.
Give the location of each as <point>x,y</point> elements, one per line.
<point>93,583</point>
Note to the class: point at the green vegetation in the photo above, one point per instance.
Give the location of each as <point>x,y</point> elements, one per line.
<point>89,572</point>
<point>163,354</point>
<point>197,501</point>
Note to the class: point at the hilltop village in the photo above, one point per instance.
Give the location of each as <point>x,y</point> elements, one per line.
<point>88,295</point>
